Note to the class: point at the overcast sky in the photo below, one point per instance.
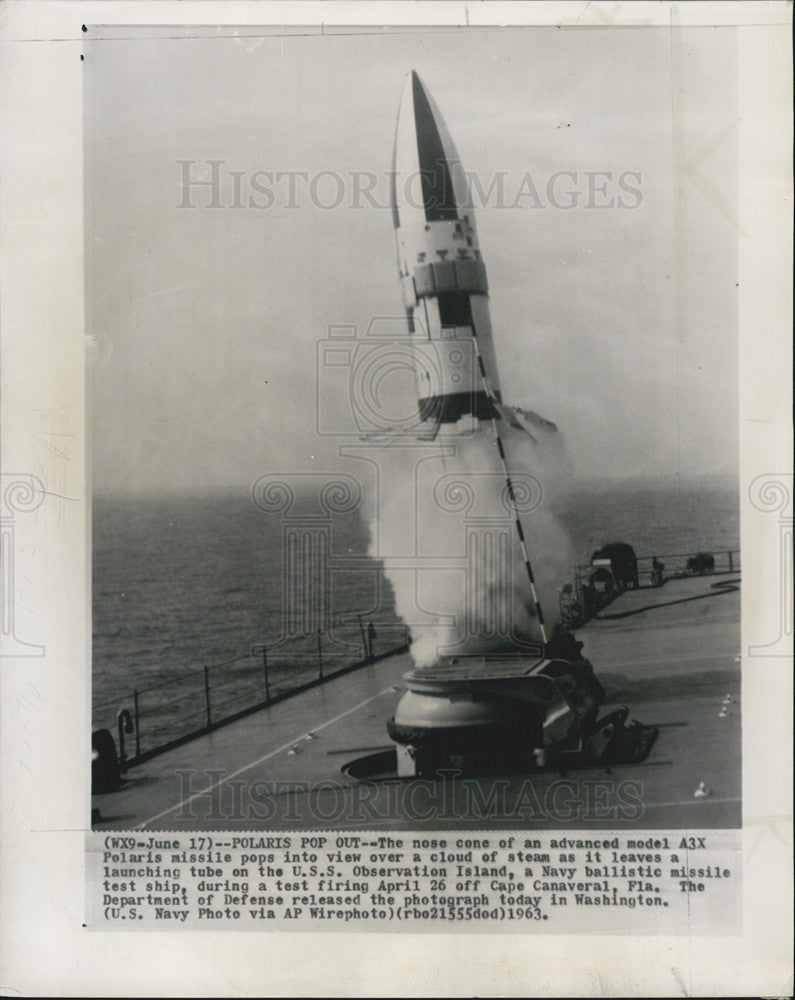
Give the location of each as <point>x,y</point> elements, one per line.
<point>616,317</point>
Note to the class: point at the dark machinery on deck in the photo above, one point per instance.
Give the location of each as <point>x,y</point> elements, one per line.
<point>507,713</point>
<point>620,559</point>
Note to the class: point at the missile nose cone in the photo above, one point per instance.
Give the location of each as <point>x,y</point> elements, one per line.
<point>427,174</point>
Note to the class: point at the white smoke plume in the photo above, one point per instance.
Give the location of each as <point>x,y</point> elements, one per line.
<point>466,589</point>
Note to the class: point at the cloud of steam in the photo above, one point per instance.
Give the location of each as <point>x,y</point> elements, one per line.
<point>462,586</point>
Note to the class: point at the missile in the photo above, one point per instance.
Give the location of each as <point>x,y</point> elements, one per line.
<point>508,704</point>
<point>442,274</point>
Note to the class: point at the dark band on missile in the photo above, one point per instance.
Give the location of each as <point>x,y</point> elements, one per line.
<point>519,529</point>
<point>450,408</point>
<point>437,186</point>
<point>455,309</point>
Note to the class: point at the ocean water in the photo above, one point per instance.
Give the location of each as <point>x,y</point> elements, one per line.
<point>187,582</point>
<point>654,519</point>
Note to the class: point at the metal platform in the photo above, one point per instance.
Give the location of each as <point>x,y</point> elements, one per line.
<point>670,654</point>
<point>477,668</point>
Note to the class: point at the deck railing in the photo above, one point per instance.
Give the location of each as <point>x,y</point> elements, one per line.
<point>583,597</point>
<point>149,720</point>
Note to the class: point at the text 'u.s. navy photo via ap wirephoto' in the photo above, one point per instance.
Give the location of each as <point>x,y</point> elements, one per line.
<point>416,497</point>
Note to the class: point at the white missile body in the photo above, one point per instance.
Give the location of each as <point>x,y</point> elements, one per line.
<point>443,278</point>
<point>442,274</point>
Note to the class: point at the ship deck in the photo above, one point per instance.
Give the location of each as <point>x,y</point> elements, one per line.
<point>672,655</point>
